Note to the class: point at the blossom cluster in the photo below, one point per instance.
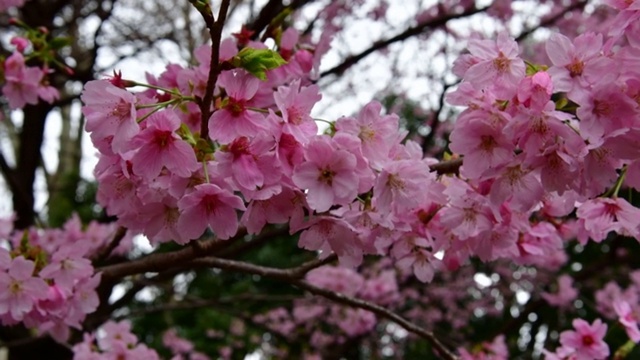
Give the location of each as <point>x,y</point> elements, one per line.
<point>310,316</point>
<point>539,142</point>
<point>47,281</point>
<point>25,84</point>
<point>114,340</point>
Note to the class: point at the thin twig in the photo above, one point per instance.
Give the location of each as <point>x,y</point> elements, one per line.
<point>290,274</point>
<point>381,311</point>
<point>215,31</point>
<point>113,244</point>
<point>412,31</point>
<point>294,276</point>
<point>447,167</point>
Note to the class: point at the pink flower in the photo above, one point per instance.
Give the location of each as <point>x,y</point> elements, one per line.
<point>377,134</point>
<point>597,217</point>
<point>578,64</point>
<point>535,91</point>
<point>586,340</point>
<point>248,161</point>
<point>68,266</point>
<point>330,234</point>
<point>234,119</point>
<point>174,342</point>
<point>604,110</point>
<point>20,43</point>
<point>22,82</point>
<point>628,318</point>
<point>565,295</point>
<point>116,335</point>
<point>209,205</point>
<point>519,186</point>
<point>162,221</point>
<point>401,186</point>
<point>277,209</point>
<point>295,104</point>
<point>468,214</point>
<point>498,64</point>
<point>110,112</point>
<point>328,174</point>
<point>485,148</point>
<point>159,146</point>
<point>19,290</point>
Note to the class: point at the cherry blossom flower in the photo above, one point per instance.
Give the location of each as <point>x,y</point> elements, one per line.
<point>497,64</point>
<point>209,205</point>
<point>328,174</point>
<point>295,103</point>
<point>328,234</point>
<point>19,289</point>
<point>578,64</point>
<point>110,113</point>
<point>485,148</point>
<point>22,82</point>
<point>587,340</point>
<point>400,186</point>
<point>565,295</point>
<point>234,119</point>
<point>375,132</point>
<point>67,266</point>
<point>159,146</point>
<point>628,318</point>
<point>597,217</point>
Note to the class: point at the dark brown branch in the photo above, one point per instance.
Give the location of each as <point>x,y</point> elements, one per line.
<point>551,20</point>
<point>295,275</point>
<point>412,31</point>
<point>161,261</point>
<point>269,12</point>
<point>215,31</point>
<point>426,141</point>
<point>113,244</point>
<point>447,167</point>
<point>11,179</point>
<point>290,274</point>
<point>381,311</point>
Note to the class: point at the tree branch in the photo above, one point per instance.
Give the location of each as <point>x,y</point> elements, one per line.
<point>290,274</point>
<point>294,277</point>
<point>158,262</point>
<point>106,251</point>
<point>447,167</point>
<point>551,20</point>
<point>215,31</point>
<point>415,30</point>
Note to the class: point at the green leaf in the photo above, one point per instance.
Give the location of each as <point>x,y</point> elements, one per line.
<point>258,61</point>
<point>59,42</point>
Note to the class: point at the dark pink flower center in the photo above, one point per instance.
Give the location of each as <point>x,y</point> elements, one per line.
<point>326,176</point>
<point>236,107</point>
<point>587,340</point>
<point>575,68</point>
<point>487,143</point>
<point>295,116</point>
<point>163,138</point>
<point>501,63</point>
<point>239,147</point>
<point>122,110</point>
<point>210,203</point>
<point>602,108</point>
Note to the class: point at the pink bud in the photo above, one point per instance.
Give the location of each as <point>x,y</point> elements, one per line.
<point>20,43</point>
<point>54,301</point>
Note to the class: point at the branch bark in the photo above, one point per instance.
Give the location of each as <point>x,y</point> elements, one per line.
<point>295,275</point>
<point>412,31</point>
